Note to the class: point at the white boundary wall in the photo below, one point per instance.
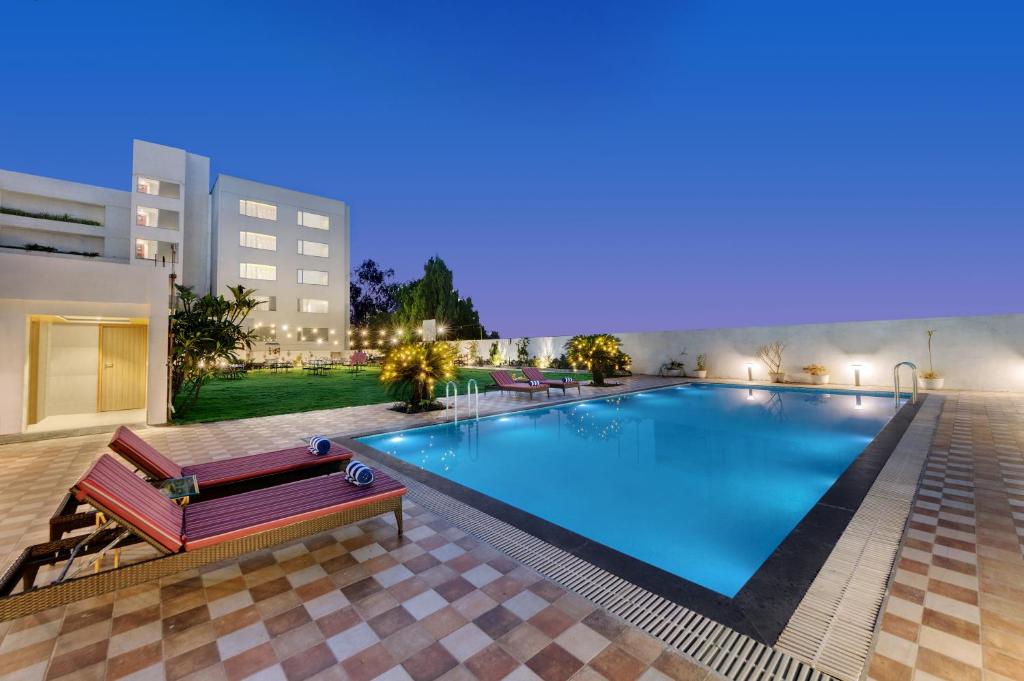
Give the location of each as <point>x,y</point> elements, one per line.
<point>971,353</point>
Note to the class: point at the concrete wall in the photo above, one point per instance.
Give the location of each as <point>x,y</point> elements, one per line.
<point>972,353</point>
<point>37,194</point>
<point>43,285</point>
<point>228,223</point>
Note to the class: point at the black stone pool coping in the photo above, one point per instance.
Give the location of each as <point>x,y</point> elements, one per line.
<point>765,604</point>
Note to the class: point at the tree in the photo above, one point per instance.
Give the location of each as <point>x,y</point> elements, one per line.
<point>600,353</point>
<point>411,371</point>
<point>206,330</point>
<point>434,296</point>
<point>372,294</point>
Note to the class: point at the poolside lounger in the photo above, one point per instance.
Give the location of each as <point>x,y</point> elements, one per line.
<point>214,478</point>
<point>504,382</point>
<point>533,374</point>
<point>184,537</point>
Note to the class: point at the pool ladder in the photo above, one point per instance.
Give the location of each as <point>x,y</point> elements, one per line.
<point>451,399</point>
<point>896,382</point>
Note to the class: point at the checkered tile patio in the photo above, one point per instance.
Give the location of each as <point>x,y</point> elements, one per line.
<point>357,603</point>
<point>955,608</point>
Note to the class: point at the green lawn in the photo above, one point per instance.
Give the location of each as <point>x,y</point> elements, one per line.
<point>261,393</point>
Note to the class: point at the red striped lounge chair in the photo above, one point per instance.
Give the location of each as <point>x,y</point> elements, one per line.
<point>534,374</point>
<point>156,466</point>
<point>504,381</point>
<point>214,478</point>
<point>184,537</point>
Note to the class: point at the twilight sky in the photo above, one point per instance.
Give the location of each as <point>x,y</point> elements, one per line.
<point>598,167</point>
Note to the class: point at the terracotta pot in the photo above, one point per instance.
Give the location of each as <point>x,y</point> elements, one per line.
<point>672,372</point>
<point>820,380</point>
<point>699,373</point>
<point>777,376</point>
<point>932,383</point>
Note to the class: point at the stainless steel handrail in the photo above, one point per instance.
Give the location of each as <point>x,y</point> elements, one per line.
<point>451,404</point>
<point>896,382</point>
<point>473,397</point>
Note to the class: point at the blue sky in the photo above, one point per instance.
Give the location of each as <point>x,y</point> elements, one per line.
<point>630,166</point>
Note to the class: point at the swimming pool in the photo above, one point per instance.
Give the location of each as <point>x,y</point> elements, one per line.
<point>702,481</point>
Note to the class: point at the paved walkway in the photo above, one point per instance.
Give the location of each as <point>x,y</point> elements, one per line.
<point>357,603</point>
<point>955,609</point>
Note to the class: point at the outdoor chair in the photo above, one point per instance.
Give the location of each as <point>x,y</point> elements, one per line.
<point>183,537</point>
<point>214,478</point>
<point>534,374</point>
<point>505,383</point>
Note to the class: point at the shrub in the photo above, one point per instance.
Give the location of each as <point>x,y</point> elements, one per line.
<point>771,356</point>
<point>51,216</point>
<point>495,354</point>
<point>816,369</point>
<point>600,353</point>
<point>411,371</point>
<point>207,330</point>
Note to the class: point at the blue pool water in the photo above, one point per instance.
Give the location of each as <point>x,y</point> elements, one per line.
<point>701,481</point>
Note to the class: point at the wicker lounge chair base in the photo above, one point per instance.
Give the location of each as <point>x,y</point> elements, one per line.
<point>36,599</point>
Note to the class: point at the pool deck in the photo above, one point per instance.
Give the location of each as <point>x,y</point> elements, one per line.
<point>358,603</point>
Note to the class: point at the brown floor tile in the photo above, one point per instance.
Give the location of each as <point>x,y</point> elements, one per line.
<point>309,662</point>
<point>393,620</point>
<point>192,661</point>
<point>429,663</point>
<point>554,663</point>
<point>369,663</point>
<point>134,660</point>
<point>679,668</point>
<point>249,662</point>
<point>615,663</point>
<point>76,660</point>
<point>497,622</point>
<point>944,667</point>
<point>551,621</point>
<point>491,664</point>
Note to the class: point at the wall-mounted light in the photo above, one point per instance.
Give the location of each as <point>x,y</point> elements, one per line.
<point>285,327</point>
<point>856,373</point>
<point>750,371</point>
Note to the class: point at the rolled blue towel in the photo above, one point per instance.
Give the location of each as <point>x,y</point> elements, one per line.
<point>534,382</point>
<point>319,445</point>
<point>358,474</point>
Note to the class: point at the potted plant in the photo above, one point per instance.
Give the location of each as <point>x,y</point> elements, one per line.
<point>673,368</point>
<point>771,356</point>
<point>818,372</point>
<point>702,366</point>
<point>931,379</point>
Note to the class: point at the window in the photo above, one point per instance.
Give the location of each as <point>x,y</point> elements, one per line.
<point>150,249</point>
<point>145,185</point>
<point>313,248</point>
<point>248,270</point>
<point>264,242</point>
<point>154,217</point>
<point>265,333</point>
<point>312,335</point>
<point>312,305</point>
<point>146,217</point>
<point>314,220</point>
<point>266,303</point>
<point>255,209</point>
<point>313,277</point>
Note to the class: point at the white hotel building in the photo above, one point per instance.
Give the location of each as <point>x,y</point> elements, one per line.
<point>84,282</point>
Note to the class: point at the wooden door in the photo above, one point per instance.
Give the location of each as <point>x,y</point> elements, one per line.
<point>122,383</point>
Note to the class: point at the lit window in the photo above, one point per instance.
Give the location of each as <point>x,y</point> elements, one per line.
<point>313,248</point>
<point>313,277</point>
<point>266,303</point>
<point>145,185</point>
<point>146,217</point>
<point>154,217</point>
<point>150,249</point>
<point>265,333</point>
<point>312,335</point>
<point>248,270</point>
<point>255,209</point>
<point>264,242</point>
<point>312,305</point>
<point>314,220</point>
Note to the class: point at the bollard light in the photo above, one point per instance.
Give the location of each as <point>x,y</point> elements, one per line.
<point>856,373</point>
<point>750,371</point>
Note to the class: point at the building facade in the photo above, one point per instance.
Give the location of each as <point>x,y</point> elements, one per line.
<point>292,248</point>
<point>85,282</point>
